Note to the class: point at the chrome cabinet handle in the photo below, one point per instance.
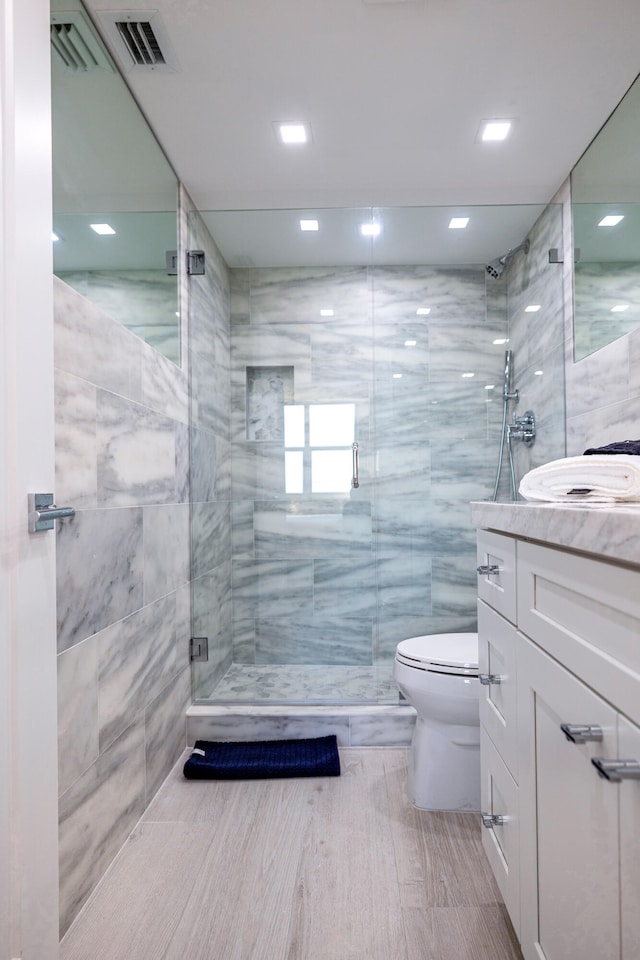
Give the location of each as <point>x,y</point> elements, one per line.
<point>488,569</point>
<point>486,679</point>
<point>491,820</point>
<point>582,732</point>
<point>617,770</point>
<point>355,480</point>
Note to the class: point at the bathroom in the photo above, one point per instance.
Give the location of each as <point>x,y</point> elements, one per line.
<point>112,764</point>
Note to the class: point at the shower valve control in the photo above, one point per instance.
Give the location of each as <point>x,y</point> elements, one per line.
<point>523,428</point>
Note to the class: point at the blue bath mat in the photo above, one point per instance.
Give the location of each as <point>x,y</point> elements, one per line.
<point>263,759</point>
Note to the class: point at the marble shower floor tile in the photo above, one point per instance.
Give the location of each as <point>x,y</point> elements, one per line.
<point>304,683</point>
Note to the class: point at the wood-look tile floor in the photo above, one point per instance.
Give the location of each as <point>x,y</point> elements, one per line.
<point>335,868</point>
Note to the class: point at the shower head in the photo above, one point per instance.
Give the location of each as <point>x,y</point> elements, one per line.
<point>497,267</point>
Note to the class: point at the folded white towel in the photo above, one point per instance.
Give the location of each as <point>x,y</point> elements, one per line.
<point>601,479</point>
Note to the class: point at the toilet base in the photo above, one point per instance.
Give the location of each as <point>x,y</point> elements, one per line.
<point>444,769</point>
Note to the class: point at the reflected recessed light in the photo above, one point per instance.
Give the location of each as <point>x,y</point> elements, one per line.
<point>620,308</point>
<point>610,221</point>
<point>397,376</point>
<point>458,223</point>
<point>410,343</point>
<point>490,386</point>
<point>501,340</point>
<point>495,129</point>
<point>102,228</point>
<point>55,237</point>
<point>468,374</point>
<point>370,229</point>
<point>326,313</point>
<point>423,311</point>
<point>532,308</point>
<point>309,225</point>
<point>293,132</point>
<point>538,373</point>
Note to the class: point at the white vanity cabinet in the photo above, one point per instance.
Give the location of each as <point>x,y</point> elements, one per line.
<point>575,646</point>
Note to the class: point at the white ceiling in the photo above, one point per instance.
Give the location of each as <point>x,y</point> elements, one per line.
<point>394,92</point>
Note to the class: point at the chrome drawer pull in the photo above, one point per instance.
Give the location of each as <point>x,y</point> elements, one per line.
<point>491,820</point>
<point>486,679</point>
<point>617,770</point>
<point>488,569</point>
<point>582,732</point>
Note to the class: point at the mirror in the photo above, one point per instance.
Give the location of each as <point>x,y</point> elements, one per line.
<point>605,196</point>
<point>109,172</point>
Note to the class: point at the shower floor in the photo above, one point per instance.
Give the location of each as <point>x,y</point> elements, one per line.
<point>304,684</point>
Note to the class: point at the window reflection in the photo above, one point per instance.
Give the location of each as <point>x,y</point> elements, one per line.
<point>318,442</point>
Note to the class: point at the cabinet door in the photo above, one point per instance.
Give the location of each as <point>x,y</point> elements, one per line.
<point>497,640</point>
<point>501,842</point>
<point>629,749</point>
<point>570,891</point>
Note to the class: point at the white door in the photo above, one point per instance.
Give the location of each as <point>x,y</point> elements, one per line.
<point>28,717</point>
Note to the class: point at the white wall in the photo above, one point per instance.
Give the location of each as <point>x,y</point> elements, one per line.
<point>28,776</point>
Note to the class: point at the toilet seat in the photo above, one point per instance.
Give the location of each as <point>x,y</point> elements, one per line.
<point>450,653</point>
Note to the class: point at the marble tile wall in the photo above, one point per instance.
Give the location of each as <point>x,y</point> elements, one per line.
<point>341,578</point>
<point>124,427</point>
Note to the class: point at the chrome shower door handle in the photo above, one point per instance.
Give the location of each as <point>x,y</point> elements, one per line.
<point>355,479</point>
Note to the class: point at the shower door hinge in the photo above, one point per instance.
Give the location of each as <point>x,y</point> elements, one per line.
<point>199,648</point>
<point>195,263</point>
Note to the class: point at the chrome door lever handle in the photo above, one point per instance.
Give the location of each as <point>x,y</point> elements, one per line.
<point>582,732</point>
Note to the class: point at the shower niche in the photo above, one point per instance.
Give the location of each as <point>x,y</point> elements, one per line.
<point>268,389</point>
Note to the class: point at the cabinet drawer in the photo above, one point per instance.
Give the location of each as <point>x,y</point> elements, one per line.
<point>497,661</point>
<point>497,585</point>
<point>499,797</point>
<point>586,614</point>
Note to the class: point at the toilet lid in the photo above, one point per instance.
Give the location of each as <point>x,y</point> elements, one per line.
<point>454,650</point>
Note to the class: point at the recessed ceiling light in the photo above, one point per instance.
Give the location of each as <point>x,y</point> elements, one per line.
<point>293,132</point>
<point>410,343</point>
<point>397,376</point>
<point>458,223</point>
<point>55,237</point>
<point>423,311</point>
<point>501,340</point>
<point>370,229</point>
<point>468,375</point>
<point>532,308</point>
<point>102,228</point>
<point>620,308</point>
<point>326,313</point>
<point>309,225</point>
<point>538,373</point>
<point>610,221</point>
<point>495,129</point>
<point>490,386</point>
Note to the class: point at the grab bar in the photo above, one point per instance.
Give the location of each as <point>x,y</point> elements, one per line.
<point>355,480</point>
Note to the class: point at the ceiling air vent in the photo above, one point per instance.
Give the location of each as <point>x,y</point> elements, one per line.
<point>75,46</point>
<point>139,40</point>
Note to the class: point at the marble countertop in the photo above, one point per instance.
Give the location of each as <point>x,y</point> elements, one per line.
<point>610,531</point>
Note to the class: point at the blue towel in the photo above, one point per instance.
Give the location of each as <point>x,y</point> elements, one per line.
<point>263,759</point>
<point>631,447</point>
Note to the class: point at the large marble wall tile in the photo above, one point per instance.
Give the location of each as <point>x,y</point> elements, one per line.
<point>458,409</point>
<point>165,386</point>
<point>402,524</point>
<point>136,453</point>
<point>402,349</point>
<point>97,813</point>
<point>257,471</point>
<point>321,640</point>
<point>210,466</point>
<point>276,344</point>
<point>402,410</point>
<point>599,380</point>
<point>76,445</point>
<point>166,549</point>
<point>460,347</point>
<point>598,288</point>
<point>77,711</point>
<point>92,346</point>
<point>451,531</point>
<point>242,529</point>
<point>245,726</point>
<point>244,641</point>
<point>403,469</point>
<point>616,421</point>
<point>99,571</point>
<point>319,528</point>
<point>212,618</point>
<point>136,658</point>
<point>393,729</point>
<point>272,588</point>
<point>634,363</point>
<point>454,585</point>
<point>391,630</point>
<point>342,351</point>
<point>298,294</point>
<point>404,584</point>
<point>183,627</point>
<point>182,463</point>
<point>165,727</point>
<point>345,587</point>
<point>210,536</point>
<point>449,292</point>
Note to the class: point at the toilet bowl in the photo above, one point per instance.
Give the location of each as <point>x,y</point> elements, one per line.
<point>438,675</point>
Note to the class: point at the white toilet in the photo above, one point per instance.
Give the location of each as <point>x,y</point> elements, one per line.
<point>438,675</point>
